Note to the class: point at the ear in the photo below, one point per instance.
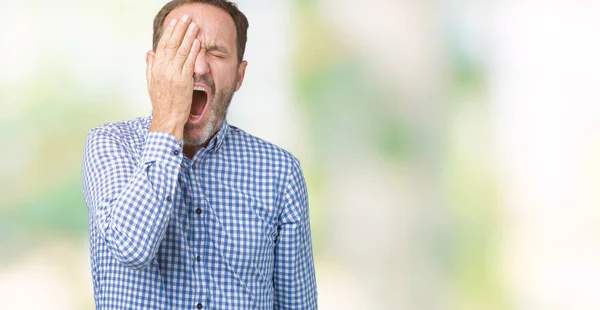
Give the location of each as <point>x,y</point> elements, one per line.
<point>149,57</point>
<point>241,71</point>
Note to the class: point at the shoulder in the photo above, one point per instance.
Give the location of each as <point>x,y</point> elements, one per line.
<point>252,147</point>
<point>127,134</point>
<point>123,129</point>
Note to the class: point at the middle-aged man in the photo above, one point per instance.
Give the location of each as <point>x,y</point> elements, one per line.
<point>185,210</point>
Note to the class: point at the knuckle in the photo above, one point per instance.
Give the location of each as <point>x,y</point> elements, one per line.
<point>172,44</point>
<point>182,52</point>
<point>160,74</point>
<point>169,77</point>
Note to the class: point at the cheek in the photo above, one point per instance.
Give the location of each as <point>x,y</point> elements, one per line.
<point>224,74</point>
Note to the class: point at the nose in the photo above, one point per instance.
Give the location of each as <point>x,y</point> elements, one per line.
<point>201,65</point>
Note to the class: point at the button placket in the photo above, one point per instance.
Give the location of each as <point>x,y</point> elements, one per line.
<point>195,209</point>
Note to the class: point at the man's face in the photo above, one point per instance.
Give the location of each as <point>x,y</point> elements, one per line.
<point>217,72</point>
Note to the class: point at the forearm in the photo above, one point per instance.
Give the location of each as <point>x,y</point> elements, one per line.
<point>294,278</point>
<point>131,200</point>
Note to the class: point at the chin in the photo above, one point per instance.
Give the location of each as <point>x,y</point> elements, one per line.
<point>200,134</point>
<point>195,137</point>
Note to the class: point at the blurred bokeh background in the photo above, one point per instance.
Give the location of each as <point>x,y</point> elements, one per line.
<point>451,147</point>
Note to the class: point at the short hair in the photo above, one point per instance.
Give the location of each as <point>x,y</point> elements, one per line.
<point>240,20</point>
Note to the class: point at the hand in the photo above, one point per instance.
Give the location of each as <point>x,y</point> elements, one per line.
<point>169,74</point>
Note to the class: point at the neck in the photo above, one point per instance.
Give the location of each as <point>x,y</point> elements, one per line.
<point>190,150</point>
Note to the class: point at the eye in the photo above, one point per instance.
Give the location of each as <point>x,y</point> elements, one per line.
<point>218,55</point>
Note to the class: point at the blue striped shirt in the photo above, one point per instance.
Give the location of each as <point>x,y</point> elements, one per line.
<point>227,229</point>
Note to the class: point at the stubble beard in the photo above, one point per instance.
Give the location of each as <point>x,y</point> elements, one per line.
<point>199,134</point>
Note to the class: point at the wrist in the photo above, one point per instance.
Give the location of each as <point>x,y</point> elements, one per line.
<point>169,126</point>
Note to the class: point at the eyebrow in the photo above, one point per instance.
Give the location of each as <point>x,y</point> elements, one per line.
<point>216,47</point>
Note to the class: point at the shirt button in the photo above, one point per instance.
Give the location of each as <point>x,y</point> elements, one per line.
<point>169,198</point>
<point>175,152</point>
<point>198,258</point>
<point>194,166</point>
<point>199,306</point>
<point>198,211</point>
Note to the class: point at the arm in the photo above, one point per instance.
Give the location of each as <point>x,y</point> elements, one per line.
<point>130,199</point>
<point>294,276</point>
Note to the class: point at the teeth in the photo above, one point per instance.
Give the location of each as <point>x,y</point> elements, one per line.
<point>199,88</point>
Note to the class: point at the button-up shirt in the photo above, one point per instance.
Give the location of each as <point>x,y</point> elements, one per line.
<point>227,229</point>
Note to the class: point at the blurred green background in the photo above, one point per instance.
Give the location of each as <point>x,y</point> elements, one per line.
<point>451,148</point>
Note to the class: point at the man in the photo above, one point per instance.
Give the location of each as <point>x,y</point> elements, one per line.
<point>185,210</point>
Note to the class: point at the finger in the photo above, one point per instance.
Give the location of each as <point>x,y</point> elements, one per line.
<point>186,45</point>
<point>188,66</point>
<point>176,37</point>
<point>162,43</point>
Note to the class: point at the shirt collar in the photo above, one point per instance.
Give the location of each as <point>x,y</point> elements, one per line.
<point>216,142</point>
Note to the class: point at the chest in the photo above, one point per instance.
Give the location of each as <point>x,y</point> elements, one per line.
<point>227,208</point>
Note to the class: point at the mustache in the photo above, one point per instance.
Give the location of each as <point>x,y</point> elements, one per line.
<point>205,79</point>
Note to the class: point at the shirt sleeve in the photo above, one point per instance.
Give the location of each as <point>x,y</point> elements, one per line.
<point>130,196</point>
<point>294,274</point>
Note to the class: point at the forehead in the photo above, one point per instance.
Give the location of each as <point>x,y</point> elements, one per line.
<point>214,23</point>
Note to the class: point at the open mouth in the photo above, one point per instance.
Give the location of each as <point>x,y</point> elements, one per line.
<point>199,103</point>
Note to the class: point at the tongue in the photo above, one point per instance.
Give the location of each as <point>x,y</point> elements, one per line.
<point>198,102</point>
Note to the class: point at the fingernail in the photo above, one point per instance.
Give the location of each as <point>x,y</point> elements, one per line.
<point>173,22</point>
<point>192,26</point>
<point>185,18</point>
